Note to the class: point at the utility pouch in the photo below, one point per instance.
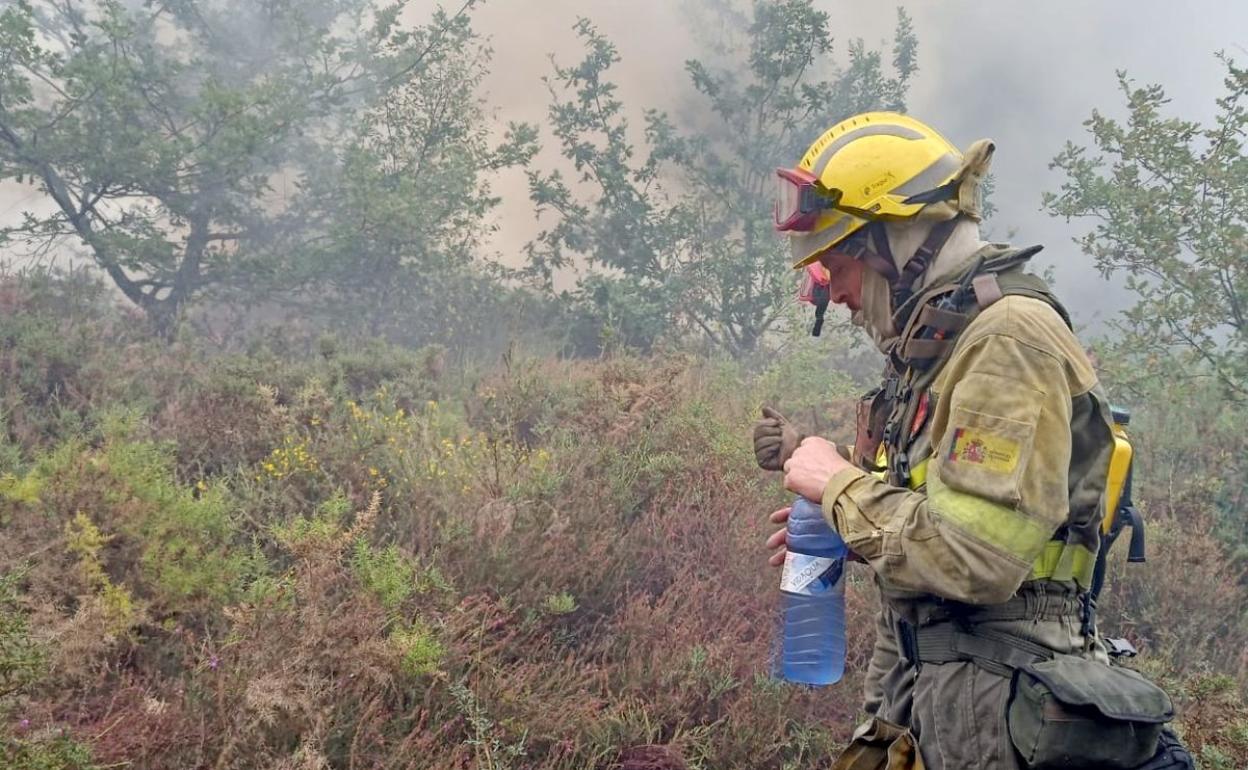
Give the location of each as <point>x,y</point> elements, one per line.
<point>872,414</point>
<point>1070,713</point>
<point>881,745</point>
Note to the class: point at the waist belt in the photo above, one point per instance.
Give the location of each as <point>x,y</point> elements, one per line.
<point>989,648</point>
<point>1040,602</point>
<point>952,632</point>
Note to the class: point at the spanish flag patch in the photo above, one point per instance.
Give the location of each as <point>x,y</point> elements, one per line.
<point>985,450</point>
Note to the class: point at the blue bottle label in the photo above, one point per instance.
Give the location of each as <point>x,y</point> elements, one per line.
<point>805,575</point>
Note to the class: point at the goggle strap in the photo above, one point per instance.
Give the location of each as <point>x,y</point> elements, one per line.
<point>821,308</point>
<point>947,191</point>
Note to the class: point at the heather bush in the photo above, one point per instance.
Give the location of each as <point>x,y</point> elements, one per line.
<point>51,324</point>
<point>351,559</point>
<point>22,657</point>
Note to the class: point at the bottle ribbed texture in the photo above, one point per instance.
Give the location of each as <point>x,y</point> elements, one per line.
<point>813,586</point>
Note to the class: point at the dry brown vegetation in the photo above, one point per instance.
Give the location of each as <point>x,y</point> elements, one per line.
<point>354,558</point>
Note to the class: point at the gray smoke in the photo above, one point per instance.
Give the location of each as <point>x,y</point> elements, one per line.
<point>1026,74</point>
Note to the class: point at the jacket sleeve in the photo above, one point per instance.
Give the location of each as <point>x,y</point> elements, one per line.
<point>997,482</point>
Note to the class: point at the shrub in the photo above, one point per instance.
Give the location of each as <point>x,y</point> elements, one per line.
<point>549,564</point>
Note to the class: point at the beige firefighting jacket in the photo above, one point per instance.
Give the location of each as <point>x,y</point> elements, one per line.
<point>1021,439</point>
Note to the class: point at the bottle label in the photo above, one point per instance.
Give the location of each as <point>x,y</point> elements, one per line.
<point>805,575</point>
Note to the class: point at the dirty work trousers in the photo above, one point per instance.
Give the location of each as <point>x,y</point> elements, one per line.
<point>956,712</point>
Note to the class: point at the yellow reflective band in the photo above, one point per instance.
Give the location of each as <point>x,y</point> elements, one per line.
<point>1064,561</point>
<point>881,461</point>
<point>1011,531</point>
<point>918,474</point>
<point>819,163</point>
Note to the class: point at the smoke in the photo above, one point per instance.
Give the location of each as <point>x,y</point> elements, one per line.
<point>654,39</point>
<point>1025,74</point>
<point>1029,74</point>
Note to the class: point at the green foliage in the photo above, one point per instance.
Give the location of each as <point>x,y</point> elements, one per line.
<point>562,603</point>
<point>678,235</point>
<point>166,135</point>
<point>23,489</point>
<point>489,744</point>
<point>324,526</point>
<point>148,539</point>
<point>1168,204</point>
<point>187,554</point>
<point>23,659</point>
<point>52,752</point>
<point>84,540</point>
<point>387,573</point>
<point>419,650</point>
<point>404,208</point>
<point>812,374</point>
<point>1213,758</point>
<point>50,323</point>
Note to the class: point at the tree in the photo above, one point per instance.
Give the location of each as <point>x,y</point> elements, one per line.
<point>400,211</point>
<point>678,236</point>
<point>159,130</point>
<point>1169,208</point>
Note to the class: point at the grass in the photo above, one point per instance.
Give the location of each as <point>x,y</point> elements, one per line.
<point>352,559</point>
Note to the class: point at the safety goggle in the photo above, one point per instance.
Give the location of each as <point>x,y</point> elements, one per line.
<point>815,286</point>
<point>800,199</point>
<point>816,289</point>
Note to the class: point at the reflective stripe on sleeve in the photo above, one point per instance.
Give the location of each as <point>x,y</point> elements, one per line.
<point>1064,561</point>
<point>1005,528</point>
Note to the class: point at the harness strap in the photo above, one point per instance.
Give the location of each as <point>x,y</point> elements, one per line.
<point>987,290</point>
<point>918,264</point>
<point>931,322</point>
<point>945,321</point>
<point>924,349</point>
<point>880,256</point>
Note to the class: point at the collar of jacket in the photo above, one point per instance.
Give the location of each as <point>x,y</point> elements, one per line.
<point>996,258</point>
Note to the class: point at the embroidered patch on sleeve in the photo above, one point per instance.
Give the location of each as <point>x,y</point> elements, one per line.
<point>985,450</point>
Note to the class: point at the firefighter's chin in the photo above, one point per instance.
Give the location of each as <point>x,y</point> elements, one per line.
<point>883,340</point>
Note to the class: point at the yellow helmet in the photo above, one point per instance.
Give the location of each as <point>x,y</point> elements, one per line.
<point>873,167</point>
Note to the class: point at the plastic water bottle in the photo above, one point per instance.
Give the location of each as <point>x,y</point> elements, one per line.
<point>814,598</point>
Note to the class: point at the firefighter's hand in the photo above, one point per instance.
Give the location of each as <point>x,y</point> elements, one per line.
<point>811,467</point>
<point>775,438</point>
<point>778,539</point>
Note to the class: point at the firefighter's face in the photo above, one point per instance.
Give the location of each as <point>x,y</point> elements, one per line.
<point>846,278</point>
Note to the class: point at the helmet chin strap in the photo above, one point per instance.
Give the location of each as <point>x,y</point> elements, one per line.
<point>880,257</point>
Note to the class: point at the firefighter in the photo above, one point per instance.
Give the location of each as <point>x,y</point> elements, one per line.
<point>975,487</point>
